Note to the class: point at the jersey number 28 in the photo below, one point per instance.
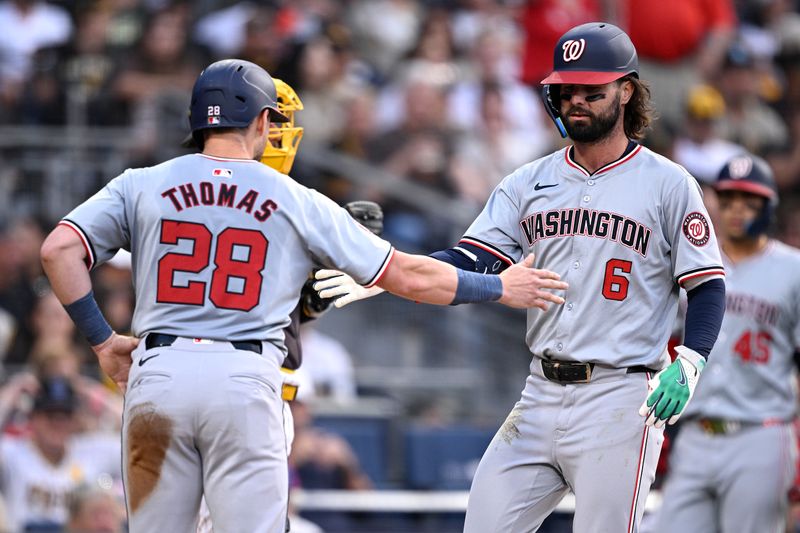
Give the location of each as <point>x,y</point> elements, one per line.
<point>238,261</point>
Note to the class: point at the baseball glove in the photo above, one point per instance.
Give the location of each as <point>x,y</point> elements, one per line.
<point>368,214</point>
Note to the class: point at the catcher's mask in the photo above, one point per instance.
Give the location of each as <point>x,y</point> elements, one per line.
<point>751,174</point>
<point>284,137</point>
<point>594,53</point>
<point>230,94</point>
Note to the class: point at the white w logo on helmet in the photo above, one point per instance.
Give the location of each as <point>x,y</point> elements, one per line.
<point>573,49</point>
<point>740,167</point>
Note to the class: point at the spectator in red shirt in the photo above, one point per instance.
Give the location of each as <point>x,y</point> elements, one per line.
<point>681,43</point>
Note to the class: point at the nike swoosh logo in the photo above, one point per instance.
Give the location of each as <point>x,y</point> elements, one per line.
<point>682,380</point>
<point>143,360</point>
<point>539,186</point>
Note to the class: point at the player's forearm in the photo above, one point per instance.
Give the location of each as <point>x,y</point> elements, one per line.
<point>421,279</point>
<point>706,308</point>
<point>63,261</point>
<point>63,258</point>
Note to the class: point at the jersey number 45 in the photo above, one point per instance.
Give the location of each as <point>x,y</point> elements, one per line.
<point>236,280</point>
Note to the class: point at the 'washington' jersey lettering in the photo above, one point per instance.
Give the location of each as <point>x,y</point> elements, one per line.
<point>221,245</point>
<point>624,238</point>
<point>751,375</point>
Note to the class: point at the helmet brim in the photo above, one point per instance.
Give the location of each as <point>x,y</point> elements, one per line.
<point>581,77</point>
<point>745,186</point>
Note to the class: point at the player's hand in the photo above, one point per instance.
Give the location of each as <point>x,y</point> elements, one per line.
<point>342,288</point>
<point>525,286</point>
<point>670,390</point>
<point>114,355</point>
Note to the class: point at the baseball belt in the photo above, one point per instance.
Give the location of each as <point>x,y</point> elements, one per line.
<point>571,372</point>
<point>721,426</point>
<point>156,340</point>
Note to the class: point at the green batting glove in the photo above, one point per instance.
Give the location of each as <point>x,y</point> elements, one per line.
<point>671,389</point>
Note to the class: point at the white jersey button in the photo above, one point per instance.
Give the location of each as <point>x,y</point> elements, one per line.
<point>590,182</point>
<point>570,306</point>
<point>576,264</point>
<point>587,198</point>
<point>559,346</point>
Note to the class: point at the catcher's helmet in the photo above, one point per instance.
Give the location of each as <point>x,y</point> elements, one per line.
<point>594,53</point>
<point>284,138</point>
<point>230,94</point>
<point>751,174</point>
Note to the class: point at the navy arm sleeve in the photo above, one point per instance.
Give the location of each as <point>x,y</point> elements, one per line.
<point>704,316</point>
<point>471,258</point>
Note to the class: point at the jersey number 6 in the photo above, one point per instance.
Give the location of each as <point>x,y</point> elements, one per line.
<point>238,261</point>
<point>615,285</point>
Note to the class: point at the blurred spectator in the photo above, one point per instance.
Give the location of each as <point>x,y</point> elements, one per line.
<point>766,25</point>
<point>473,18</point>
<point>680,43</point>
<point>360,124</point>
<point>431,59</point>
<point>113,283</point>
<point>786,162</point>
<point>71,83</point>
<point>38,472</point>
<point>21,280</point>
<point>491,150</point>
<point>789,221</point>
<point>748,120</point>
<point>28,25</point>
<point>95,510</point>
<point>222,31</point>
<point>434,49</point>
<point>156,83</point>
<point>543,22</point>
<point>263,43</point>
<point>492,65</point>
<point>323,460</point>
<point>101,406</point>
<point>52,329</point>
<point>419,151</point>
<point>385,30</point>
<point>328,365</point>
<point>323,89</point>
<point>697,147</point>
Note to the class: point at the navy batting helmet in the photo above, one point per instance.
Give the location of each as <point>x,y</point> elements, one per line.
<point>594,53</point>
<point>751,174</point>
<point>230,94</point>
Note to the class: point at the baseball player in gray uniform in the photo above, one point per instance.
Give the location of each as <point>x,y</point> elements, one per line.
<point>744,407</point>
<point>221,246</point>
<point>626,228</point>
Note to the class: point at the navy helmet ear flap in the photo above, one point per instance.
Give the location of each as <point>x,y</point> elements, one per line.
<point>550,96</point>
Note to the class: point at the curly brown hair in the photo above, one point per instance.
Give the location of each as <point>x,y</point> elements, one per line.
<point>639,111</point>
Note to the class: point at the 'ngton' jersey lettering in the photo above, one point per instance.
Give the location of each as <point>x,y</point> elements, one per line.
<point>751,374</point>
<point>625,238</point>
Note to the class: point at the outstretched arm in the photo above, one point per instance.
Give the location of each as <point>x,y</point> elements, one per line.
<point>428,280</point>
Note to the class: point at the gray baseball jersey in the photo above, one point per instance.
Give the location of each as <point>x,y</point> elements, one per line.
<point>200,228</point>
<point>751,374</point>
<point>749,392</point>
<point>220,250</point>
<point>624,237</point>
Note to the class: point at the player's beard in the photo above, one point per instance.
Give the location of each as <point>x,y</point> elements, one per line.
<point>597,127</point>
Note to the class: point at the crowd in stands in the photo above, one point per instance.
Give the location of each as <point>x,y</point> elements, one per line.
<point>440,93</point>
